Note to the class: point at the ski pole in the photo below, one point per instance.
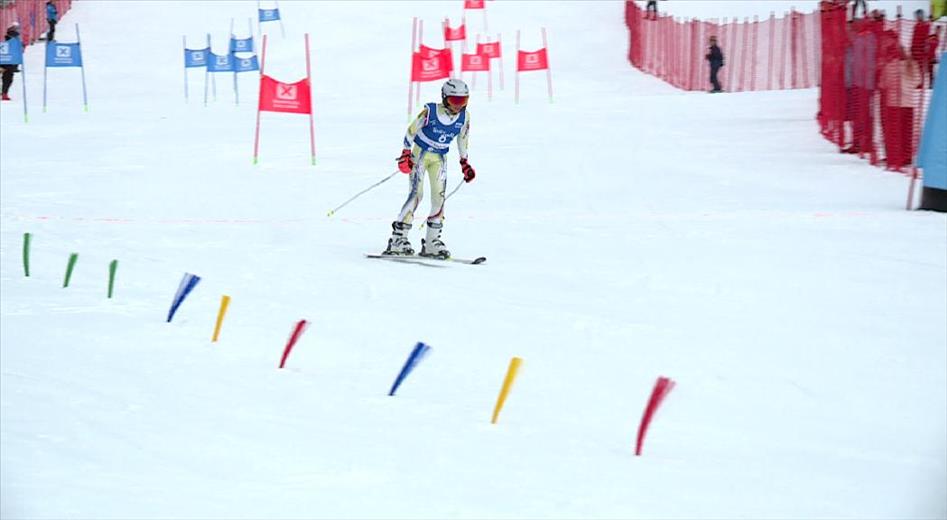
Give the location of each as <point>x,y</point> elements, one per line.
<point>359,194</point>
<point>453,191</point>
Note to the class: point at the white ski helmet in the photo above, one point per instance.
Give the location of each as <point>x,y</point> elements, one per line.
<point>454,87</point>
<point>454,95</point>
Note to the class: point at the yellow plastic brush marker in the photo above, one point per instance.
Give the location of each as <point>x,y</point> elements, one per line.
<point>511,372</point>
<point>224,303</point>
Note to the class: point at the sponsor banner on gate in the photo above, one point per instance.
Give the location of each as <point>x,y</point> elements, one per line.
<point>474,63</point>
<point>473,4</point>
<point>219,62</point>
<point>455,33</point>
<point>536,60</point>
<point>241,45</point>
<point>195,57</point>
<point>276,96</point>
<point>445,54</point>
<point>490,49</point>
<point>63,55</point>
<point>11,52</point>
<point>430,69</point>
<point>269,15</point>
<point>245,64</point>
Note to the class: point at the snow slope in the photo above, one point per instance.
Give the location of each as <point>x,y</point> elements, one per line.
<point>632,231</point>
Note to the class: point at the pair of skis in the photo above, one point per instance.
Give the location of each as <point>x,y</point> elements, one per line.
<point>428,260</point>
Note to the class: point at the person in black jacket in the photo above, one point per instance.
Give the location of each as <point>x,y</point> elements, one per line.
<point>8,70</point>
<point>715,57</point>
<point>651,10</point>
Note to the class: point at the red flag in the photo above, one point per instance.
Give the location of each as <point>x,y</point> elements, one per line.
<point>445,54</point>
<point>428,52</point>
<point>474,63</point>
<point>430,69</point>
<point>490,49</point>
<point>285,97</point>
<point>473,4</point>
<point>536,60</point>
<point>453,34</point>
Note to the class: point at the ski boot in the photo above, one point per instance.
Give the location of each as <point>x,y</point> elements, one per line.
<point>432,246</point>
<point>399,244</point>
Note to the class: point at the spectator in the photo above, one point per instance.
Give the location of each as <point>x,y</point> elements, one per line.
<point>651,10</point>
<point>849,75</point>
<point>933,42</point>
<point>864,64</point>
<point>922,29</point>
<point>899,82</point>
<point>715,57</point>
<point>8,70</point>
<point>52,16</point>
<point>855,5</point>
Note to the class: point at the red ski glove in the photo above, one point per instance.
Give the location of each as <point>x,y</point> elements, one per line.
<point>468,170</point>
<point>405,162</point>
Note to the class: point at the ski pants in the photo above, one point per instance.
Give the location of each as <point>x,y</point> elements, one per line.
<point>432,164</point>
<point>7,75</point>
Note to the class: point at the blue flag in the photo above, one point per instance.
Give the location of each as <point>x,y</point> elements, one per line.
<point>269,15</point>
<point>244,45</point>
<point>933,150</point>
<point>196,57</point>
<point>219,62</point>
<point>11,52</point>
<point>63,55</point>
<point>246,64</point>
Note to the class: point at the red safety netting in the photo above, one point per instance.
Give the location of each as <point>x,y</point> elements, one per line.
<point>32,17</point>
<point>771,54</point>
<point>876,81</point>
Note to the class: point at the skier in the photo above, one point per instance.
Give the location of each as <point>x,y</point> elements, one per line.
<point>426,142</point>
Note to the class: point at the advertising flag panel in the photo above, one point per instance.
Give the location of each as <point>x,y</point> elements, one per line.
<point>269,15</point>
<point>445,54</point>
<point>11,52</point>
<point>195,57</point>
<point>474,63</point>
<point>490,49</point>
<point>285,97</point>
<point>536,60</point>
<point>246,64</point>
<point>429,69</point>
<point>219,62</point>
<point>473,4</point>
<point>241,45</point>
<point>455,33</point>
<point>63,54</point>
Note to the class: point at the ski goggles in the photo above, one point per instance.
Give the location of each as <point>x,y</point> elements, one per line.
<point>457,101</point>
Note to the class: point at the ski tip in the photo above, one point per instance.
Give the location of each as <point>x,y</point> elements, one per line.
<point>479,260</point>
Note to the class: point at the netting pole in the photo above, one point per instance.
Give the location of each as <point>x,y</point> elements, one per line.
<point>793,48</point>
<point>754,55</point>
<point>805,62</point>
<point>772,50</point>
<point>746,55</point>
<point>732,45</point>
